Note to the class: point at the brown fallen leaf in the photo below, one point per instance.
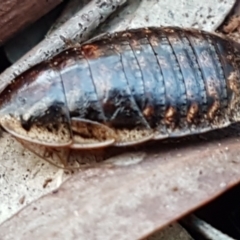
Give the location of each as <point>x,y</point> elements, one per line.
<point>130,202</point>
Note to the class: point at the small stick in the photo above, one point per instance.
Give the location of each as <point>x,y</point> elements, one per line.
<point>71,8</point>
<point>203,228</point>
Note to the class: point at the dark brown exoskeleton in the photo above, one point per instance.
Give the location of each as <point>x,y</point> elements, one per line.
<point>126,88</point>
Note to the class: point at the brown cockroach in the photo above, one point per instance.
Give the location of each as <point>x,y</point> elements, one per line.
<point>126,88</point>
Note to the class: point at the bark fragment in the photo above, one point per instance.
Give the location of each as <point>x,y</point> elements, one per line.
<point>18,14</point>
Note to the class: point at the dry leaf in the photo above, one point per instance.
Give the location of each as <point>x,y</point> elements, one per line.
<point>132,201</point>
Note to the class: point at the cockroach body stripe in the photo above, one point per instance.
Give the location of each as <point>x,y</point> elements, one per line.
<point>126,88</point>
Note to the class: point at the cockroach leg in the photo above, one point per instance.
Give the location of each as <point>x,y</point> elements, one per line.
<point>70,159</point>
<point>90,134</point>
<point>52,155</point>
<point>85,159</point>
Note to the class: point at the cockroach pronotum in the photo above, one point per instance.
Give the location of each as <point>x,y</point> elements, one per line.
<point>126,88</point>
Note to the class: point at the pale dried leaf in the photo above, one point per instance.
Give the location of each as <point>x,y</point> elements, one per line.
<point>169,181</point>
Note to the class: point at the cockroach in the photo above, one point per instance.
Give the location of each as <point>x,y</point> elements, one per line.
<point>126,88</point>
